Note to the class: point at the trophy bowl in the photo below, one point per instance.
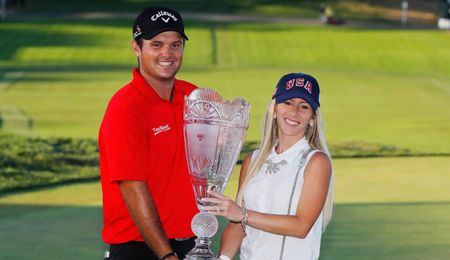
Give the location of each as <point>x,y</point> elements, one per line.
<point>214,132</point>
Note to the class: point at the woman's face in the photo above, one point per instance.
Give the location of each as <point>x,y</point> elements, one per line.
<point>293,116</point>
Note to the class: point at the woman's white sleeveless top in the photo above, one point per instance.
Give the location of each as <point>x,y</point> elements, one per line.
<point>269,192</point>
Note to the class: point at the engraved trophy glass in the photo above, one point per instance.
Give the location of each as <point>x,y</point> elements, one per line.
<point>214,131</point>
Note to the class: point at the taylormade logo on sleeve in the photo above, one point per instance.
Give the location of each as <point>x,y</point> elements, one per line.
<point>160,129</point>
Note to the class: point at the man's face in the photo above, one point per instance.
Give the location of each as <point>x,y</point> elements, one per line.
<point>161,57</point>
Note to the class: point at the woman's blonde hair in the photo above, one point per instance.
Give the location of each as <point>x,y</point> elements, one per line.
<point>316,139</point>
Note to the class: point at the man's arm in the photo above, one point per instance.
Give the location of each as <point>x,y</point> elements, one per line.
<point>145,216</point>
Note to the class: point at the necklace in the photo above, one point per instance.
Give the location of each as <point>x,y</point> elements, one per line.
<point>273,168</point>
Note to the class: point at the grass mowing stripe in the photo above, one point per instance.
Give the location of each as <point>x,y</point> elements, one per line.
<point>394,51</point>
<point>67,232</point>
<point>379,108</point>
<point>376,108</point>
<point>70,43</point>
<point>341,49</point>
<point>392,180</point>
<point>401,231</point>
<point>366,225</point>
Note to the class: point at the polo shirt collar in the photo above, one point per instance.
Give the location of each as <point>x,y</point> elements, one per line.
<point>291,153</point>
<point>146,89</point>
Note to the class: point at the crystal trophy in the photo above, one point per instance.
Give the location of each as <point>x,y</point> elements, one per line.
<point>214,131</point>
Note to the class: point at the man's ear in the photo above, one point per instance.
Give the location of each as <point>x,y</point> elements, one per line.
<point>136,48</point>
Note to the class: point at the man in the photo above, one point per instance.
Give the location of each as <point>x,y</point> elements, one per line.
<point>148,201</point>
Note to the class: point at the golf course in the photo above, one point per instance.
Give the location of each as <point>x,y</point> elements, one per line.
<point>385,95</point>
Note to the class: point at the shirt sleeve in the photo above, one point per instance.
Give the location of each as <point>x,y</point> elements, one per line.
<point>125,145</point>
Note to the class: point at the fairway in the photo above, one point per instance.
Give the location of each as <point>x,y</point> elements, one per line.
<point>367,222</point>
<point>387,88</point>
<point>356,106</point>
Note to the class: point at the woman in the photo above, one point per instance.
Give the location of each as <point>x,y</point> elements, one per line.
<point>284,201</point>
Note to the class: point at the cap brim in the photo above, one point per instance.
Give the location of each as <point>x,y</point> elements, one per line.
<point>154,33</point>
<point>291,95</point>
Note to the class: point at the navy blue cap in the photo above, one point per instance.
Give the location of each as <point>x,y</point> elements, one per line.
<point>298,85</point>
<point>155,20</point>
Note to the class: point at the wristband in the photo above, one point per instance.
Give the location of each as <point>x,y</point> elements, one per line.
<point>164,257</point>
<point>223,257</point>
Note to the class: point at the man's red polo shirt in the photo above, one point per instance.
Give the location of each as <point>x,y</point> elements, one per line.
<point>141,138</point>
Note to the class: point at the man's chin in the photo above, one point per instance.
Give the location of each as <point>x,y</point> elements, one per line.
<point>168,75</point>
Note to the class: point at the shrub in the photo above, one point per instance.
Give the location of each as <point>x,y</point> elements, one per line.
<point>30,162</point>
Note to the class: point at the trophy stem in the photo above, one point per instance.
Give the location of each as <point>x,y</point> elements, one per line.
<point>201,251</point>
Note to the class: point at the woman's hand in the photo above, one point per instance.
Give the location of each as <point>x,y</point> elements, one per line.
<point>223,206</point>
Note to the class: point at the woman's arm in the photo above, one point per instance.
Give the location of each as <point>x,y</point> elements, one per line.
<point>315,188</point>
<point>233,233</point>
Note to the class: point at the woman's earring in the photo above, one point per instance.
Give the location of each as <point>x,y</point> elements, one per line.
<point>274,116</point>
<point>311,123</point>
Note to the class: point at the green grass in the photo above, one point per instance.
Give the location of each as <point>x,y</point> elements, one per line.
<point>380,88</point>
<point>389,208</point>
<point>31,162</point>
<point>338,49</point>
<point>385,180</point>
<point>80,44</point>
<point>388,87</point>
<point>403,114</point>
<point>388,231</point>
<point>65,219</point>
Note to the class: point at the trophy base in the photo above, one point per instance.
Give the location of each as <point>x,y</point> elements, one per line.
<point>201,251</point>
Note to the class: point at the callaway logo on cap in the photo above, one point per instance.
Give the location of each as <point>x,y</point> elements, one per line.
<point>155,20</point>
<point>298,85</point>
<point>161,15</point>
